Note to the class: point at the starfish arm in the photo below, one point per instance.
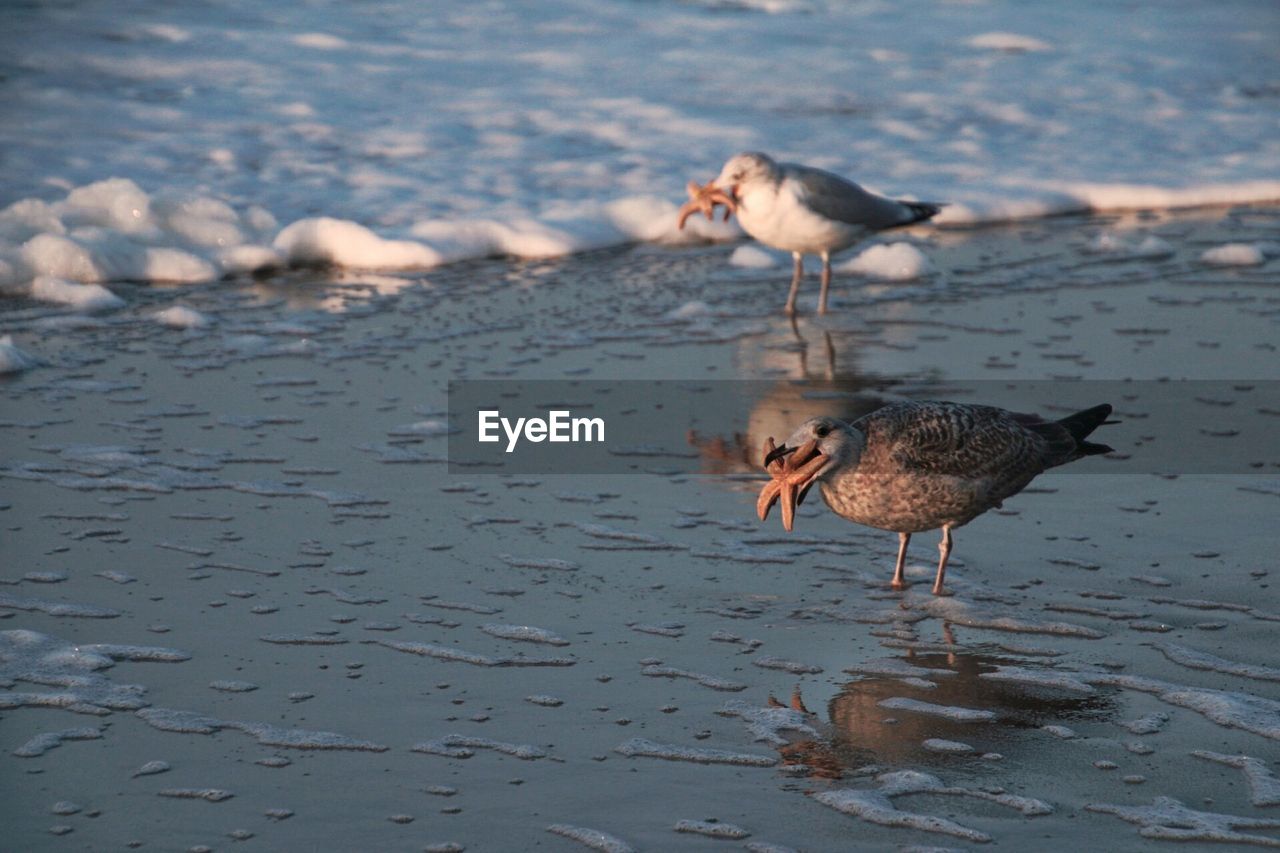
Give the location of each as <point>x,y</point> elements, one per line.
<point>768,497</point>
<point>687,210</point>
<point>788,500</point>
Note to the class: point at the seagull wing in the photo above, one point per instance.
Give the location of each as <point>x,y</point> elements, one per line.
<point>976,443</point>
<point>835,198</point>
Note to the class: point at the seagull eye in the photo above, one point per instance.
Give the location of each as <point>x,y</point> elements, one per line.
<point>822,431</point>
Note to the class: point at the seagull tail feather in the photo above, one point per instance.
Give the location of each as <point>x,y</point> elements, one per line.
<point>1081,424</point>
<point>921,210</point>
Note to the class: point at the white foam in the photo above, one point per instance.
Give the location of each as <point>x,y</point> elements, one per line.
<point>14,359</point>
<point>950,712</point>
<point>642,747</point>
<point>190,722</point>
<point>463,746</point>
<point>712,829</point>
<point>1148,246</point>
<point>711,681</point>
<point>592,838</point>
<point>1255,714</point>
<point>249,258</point>
<point>752,257</point>
<point>766,724</point>
<point>1203,660</point>
<point>547,563</point>
<point>324,240</point>
<point>889,262</point>
<point>45,741</point>
<point>1264,786</point>
<point>964,613</point>
<point>1169,820</point>
<point>181,317</point>
<point>1038,678</point>
<point>83,297</point>
<point>525,634</point>
<point>691,310</point>
<point>896,668</point>
<point>1012,42</point>
<point>454,655</point>
<point>1234,255</point>
<point>557,159</point>
<point>947,747</point>
<point>876,806</point>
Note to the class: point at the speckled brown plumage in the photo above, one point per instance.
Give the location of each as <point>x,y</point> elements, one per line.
<point>915,466</point>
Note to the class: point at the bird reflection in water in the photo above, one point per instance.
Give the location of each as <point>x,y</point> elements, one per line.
<point>859,733</point>
<point>825,388</point>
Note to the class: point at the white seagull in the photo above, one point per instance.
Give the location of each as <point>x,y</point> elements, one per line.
<point>807,211</point>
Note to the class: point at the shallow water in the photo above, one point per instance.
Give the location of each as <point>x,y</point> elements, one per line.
<point>256,568</point>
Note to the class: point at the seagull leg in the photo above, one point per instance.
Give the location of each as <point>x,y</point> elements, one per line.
<point>898,582</point>
<point>796,275</point>
<point>944,548</point>
<point>826,282</point>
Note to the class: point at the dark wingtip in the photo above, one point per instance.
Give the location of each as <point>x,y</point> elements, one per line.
<point>923,210</point>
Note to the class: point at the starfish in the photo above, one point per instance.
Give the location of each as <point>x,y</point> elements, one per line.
<point>793,471</point>
<point>705,199</point>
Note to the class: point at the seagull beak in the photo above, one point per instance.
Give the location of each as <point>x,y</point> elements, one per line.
<point>777,453</point>
<point>806,463</point>
<point>792,478</point>
<point>733,197</point>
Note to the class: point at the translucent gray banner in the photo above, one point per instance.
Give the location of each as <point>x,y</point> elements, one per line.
<point>718,427</point>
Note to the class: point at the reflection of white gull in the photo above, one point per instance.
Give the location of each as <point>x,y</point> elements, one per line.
<point>917,466</point>
<point>807,211</point>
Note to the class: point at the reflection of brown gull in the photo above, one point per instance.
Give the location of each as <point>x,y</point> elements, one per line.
<point>916,466</point>
<point>860,731</point>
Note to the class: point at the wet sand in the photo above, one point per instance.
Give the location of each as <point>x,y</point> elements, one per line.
<point>264,505</point>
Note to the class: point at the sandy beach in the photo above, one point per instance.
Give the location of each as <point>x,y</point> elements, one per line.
<point>238,550</point>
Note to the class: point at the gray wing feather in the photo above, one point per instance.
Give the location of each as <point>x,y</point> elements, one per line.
<point>836,198</point>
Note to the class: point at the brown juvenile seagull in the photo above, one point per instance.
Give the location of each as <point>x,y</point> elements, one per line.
<point>916,466</point>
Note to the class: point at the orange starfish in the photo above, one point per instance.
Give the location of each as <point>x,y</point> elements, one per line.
<point>705,199</point>
<point>793,471</point>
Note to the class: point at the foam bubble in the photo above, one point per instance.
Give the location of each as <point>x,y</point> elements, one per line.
<point>45,741</point>
<point>190,722</point>
<point>876,806</point>
<point>324,240</point>
<point>891,262</point>
<point>1264,786</point>
<point>766,724</point>
<point>712,829</point>
<point>181,317</point>
<point>82,297</point>
<point>1234,255</point>
<point>13,359</point>
<point>1009,42</point>
<point>1168,819</point>
<point>462,746</point>
<point>642,747</point>
<point>950,712</point>
<point>525,634</point>
<point>592,838</point>
<point>752,257</point>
